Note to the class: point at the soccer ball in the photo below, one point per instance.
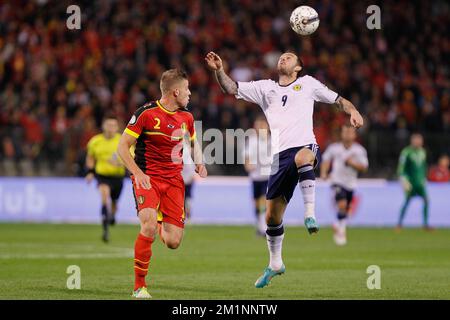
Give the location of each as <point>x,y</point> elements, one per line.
<point>304,20</point>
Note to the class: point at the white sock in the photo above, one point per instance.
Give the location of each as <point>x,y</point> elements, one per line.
<point>275,244</point>
<point>262,223</point>
<point>307,184</point>
<point>342,225</point>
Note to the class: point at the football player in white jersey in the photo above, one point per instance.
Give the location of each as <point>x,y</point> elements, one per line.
<point>346,159</point>
<point>288,105</point>
<point>257,163</point>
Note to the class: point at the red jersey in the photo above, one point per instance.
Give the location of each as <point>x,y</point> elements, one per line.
<point>160,134</point>
<point>438,174</point>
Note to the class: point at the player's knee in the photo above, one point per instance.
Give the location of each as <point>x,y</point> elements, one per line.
<point>148,229</point>
<point>173,243</point>
<point>148,225</point>
<point>303,157</point>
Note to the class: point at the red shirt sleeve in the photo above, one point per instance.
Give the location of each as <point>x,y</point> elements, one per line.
<point>136,124</point>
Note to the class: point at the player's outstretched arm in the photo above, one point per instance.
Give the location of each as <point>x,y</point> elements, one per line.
<point>197,156</point>
<point>123,150</point>
<point>227,84</point>
<point>356,119</point>
<point>90,164</point>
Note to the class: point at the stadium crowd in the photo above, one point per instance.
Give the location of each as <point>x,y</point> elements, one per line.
<point>56,84</point>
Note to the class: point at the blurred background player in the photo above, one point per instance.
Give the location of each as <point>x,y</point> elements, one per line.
<point>288,105</point>
<point>103,163</point>
<point>188,174</point>
<point>257,162</point>
<point>158,129</point>
<point>412,170</point>
<point>346,159</point>
<point>440,172</point>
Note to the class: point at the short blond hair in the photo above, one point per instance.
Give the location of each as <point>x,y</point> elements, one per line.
<point>171,77</point>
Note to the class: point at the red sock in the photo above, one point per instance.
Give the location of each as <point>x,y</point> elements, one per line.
<point>142,255</point>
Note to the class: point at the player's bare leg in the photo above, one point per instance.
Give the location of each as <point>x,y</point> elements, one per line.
<point>275,235</point>
<point>260,208</point>
<point>171,235</point>
<point>143,250</point>
<point>105,193</point>
<point>340,237</point>
<point>304,160</point>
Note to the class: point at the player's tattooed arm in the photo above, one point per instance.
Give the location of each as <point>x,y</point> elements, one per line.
<point>214,63</point>
<point>356,119</point>
<point>226,83</point>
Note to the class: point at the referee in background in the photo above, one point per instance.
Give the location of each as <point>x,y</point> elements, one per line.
<point>103,163</point>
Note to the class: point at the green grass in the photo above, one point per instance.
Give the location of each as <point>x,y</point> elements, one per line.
<point>223,263</point>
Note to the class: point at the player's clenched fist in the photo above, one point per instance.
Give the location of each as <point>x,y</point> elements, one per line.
<point>142,180</point>
<point>356,119</point>
<point>214,62</point>
<point>201,170</point>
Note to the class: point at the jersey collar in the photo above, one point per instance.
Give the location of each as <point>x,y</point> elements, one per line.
<point>286,85</point>
<point>164,109</point>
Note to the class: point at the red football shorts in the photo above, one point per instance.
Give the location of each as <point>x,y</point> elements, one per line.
<point>166,196</point>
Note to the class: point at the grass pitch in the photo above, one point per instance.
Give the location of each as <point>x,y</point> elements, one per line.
<point>216,262</point>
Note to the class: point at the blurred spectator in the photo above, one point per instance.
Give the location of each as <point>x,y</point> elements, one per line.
<point>440,172</point>
<point>397,76</point>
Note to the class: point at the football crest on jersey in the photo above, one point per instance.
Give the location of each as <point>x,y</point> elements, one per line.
<point>297,87</point>
<point>141,199</point>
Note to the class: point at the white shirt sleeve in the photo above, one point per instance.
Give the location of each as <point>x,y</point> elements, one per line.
<point>252,91</point>
<point>328,154</point>
<point>362,157</point>
<point>321,93</point>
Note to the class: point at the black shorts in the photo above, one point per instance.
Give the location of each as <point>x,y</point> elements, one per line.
<point>114,183</point>
<point>259,188</point>
<point>341,193</point>
<point>284,175</point>
<point>188,190</point>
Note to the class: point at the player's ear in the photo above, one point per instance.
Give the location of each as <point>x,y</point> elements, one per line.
<point>176,92</point>
<point>297,69</point>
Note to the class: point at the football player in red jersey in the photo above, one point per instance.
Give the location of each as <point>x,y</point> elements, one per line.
<point>158,129</point>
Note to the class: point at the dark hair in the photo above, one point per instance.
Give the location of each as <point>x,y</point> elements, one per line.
<point>109,116</point>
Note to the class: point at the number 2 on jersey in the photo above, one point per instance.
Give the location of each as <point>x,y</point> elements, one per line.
<point>284,99</point>
<point>158,122</point>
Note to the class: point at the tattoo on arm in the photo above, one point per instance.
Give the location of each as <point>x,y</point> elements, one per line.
<point>226,83</point>
<point>340,103</point>
<point>345,105</point>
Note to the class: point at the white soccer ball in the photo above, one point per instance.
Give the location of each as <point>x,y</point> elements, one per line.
<point>304,20</point>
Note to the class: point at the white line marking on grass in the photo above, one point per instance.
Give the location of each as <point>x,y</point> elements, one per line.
<point>128,254</point>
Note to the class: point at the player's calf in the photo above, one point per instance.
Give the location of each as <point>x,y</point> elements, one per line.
<point>304,160</point>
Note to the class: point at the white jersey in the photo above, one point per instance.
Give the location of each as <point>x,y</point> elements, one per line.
<point>342,174</point>
<point>257,152</point>
<point>288,109</point>
<point>188,171</point>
